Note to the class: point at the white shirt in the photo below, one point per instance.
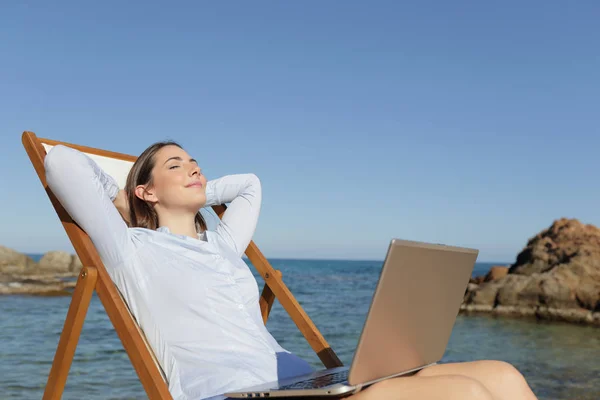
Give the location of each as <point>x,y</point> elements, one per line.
<point>195,299</point>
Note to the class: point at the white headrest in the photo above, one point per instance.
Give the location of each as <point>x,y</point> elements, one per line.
<point>118,169</point>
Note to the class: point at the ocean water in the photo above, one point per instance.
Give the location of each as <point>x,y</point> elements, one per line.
<point>560,361</point>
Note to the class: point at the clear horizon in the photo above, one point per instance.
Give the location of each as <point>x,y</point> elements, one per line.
<point>463,123</point>
<point>272,259</point>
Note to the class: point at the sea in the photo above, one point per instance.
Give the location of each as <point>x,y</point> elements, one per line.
<point>559,360</point>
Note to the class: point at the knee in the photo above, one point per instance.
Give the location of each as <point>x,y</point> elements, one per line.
<point>468,388</point>
<point>507,375</point>
<point>451,387</point>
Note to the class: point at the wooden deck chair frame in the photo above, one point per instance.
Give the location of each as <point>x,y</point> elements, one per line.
<point>94,277</point>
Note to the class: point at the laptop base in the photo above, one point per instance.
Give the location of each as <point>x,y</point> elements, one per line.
<point>338,390</point>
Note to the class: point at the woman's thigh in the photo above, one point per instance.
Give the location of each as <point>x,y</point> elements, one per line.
<point>448,387</point>
<point>502,379</point>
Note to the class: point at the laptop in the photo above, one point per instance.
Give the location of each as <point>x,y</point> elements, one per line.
<point>408,326</point>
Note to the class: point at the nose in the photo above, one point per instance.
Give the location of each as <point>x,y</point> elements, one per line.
<point>195,170</point>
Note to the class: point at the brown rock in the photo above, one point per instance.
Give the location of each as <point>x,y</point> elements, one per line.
<point>54,275</point>
<point>588,295</point>
<point>556,276</point>
<point>514,310</point>
<point>483,294</point>
<point>554,293</point>
<point>496,273</point>
<point>471,287</point>
<point>37,288</point>
<point>56,261</point>
<point>75,265</point>
<point>564,240</point>
<point>12,261</point>
<point>517,290</point>
<point>478,280</point>
<point>568,274</point>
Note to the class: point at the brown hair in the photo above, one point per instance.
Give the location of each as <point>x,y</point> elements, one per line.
<point>141,213</point>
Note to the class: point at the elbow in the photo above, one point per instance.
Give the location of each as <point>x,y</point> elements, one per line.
<point>250,188</point>
<point>253,180</point>
<point>57,157</point>
<point>254,184</point>
<point>61,162</point>
<point>55,162</point>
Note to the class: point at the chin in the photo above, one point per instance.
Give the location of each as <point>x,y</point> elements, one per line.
<point>198,203</point>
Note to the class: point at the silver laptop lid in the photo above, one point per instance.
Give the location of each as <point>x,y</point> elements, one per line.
<point>413,310</point>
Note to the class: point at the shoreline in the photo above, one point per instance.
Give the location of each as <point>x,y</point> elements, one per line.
<point>572,316</point>
<point>48,285</point>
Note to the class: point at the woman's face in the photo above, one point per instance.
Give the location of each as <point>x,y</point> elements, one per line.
<point>177,182</point>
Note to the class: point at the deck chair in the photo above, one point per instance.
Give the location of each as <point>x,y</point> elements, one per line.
<point>94,277</point>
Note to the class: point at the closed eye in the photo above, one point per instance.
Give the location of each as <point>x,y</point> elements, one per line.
<point>174,166</point>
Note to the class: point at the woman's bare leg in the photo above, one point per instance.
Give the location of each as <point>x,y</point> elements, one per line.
<point>502,379</point>
<point>448,387</point>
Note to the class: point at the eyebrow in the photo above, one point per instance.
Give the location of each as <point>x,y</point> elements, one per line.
<point>180,159</point>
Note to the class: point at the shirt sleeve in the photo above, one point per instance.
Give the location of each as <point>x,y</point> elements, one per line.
<point>238,224</point>
<point>87,193</point>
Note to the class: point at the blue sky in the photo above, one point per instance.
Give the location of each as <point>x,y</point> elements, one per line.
<point>466,123</point>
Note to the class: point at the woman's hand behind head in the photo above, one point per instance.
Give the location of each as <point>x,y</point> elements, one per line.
<point>121,204</point>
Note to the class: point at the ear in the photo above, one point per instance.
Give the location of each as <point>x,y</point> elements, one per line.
<point>146,194</point>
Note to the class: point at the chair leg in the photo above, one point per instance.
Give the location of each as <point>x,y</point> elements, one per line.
<point>80,301</point>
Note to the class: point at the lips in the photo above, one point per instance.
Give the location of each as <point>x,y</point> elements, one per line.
<point>195,184</point>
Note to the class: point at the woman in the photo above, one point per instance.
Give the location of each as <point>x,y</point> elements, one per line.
<point>194,296</point>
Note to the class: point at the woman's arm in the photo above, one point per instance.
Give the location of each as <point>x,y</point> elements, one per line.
<point>238,224</point>
<point>87,194</point>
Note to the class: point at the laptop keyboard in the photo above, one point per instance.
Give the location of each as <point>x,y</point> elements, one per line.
<point>319,382</point>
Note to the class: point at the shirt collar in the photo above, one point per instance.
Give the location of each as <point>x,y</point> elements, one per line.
<point>165,229</point>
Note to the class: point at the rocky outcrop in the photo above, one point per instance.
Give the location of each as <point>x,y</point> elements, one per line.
<point>54,275</point>
<point>37,285</point>
<point>556,276</point>
<point>496,272</point>
<point>59,261</point>
<point>13,261</point>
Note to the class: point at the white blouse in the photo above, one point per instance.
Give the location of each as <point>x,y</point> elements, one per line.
<point>195,299</point>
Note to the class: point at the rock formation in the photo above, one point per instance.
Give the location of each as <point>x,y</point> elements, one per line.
<point>54,274</point>
<point>60,261</point>
<point>11,260</point>
<point>556,276</point>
